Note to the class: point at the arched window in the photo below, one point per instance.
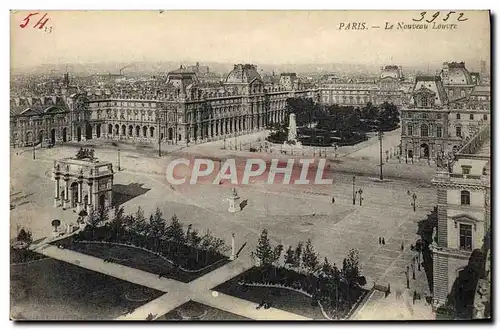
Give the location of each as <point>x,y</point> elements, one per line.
<point>464,197</point>
<point>152,131</point>
<point>458,116</point>
<point>424,130</point>
<point>471,116</point>
<point>409,130</point>
<point>485,117</point>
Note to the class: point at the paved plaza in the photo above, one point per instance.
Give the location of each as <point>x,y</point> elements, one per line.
<point>290,213</point>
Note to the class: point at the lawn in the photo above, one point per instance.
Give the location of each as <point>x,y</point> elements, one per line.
<point>193,310</point>
<point>284,299</point>
<point>54,290</point>
<point>138,259</point>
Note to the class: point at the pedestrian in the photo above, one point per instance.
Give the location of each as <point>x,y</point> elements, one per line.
<point>380,240</point>
<point>402,246</point>
<point>383,241</point>
<point>414,296</point>
<point>333,200</point>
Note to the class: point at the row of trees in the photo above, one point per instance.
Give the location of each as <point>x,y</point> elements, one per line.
<point>301,268</point>
<point>168,238</point>
<point>345,122</point>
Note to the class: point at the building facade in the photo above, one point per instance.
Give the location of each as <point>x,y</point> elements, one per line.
<point>463,197</point>
<point>388,88</point>
<point>440,116</point>
<point>183,110</point>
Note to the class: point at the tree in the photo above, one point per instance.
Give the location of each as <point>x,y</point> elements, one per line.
<point>298,254</point>
<point>277,253</point>
<point>139,225</point>
<point>56,223</point>
<point>264,250</point>
<point>309,257</point>
<point>157,225</point>
<point>289,257</point>
<point>93,218</point>
<point>25,236</point>
<point>175,231</point>
<point>103,214</point>
<point>326,268</point>
<point>350,267</point>
<point>118,221</point>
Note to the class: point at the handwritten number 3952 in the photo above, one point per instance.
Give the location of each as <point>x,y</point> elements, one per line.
<point>423,15</point>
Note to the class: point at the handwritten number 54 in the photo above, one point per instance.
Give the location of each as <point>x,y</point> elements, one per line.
<point>40,24</point>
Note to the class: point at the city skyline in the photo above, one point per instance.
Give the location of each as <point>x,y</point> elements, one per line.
<point>288,37</point>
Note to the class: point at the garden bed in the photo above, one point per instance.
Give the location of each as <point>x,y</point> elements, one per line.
<point>287,290</point>
<point>195,311</point>
<point>139,259</point>
<point>20,256</point>
<point>55,290</point>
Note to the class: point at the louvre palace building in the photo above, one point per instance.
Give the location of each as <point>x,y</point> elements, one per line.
<point>179,109</point>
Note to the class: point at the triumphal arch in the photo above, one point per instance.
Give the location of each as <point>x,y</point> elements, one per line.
<point>83,182</point>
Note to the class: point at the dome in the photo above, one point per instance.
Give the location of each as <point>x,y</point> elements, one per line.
<point>391,71</point>
<point>243,73</point>
<point>459,76</point>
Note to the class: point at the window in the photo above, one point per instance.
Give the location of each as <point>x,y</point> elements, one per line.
<point>471,116</point>
<point>450,93</point>
<point>464,197</point>
<point>465,237</point>
<point>458,116</point>
<point>425,102</point>
<point>462,93</point>
<point>465,169</point>
<point>409,130</point>
<point>485,117</point>
<point>438,116</point>
<point>424,115</point>
<point>439,131</point>
<point>424,130</point>
<point>459,131</point>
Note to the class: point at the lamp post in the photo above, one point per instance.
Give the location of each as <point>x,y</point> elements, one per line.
<point>353,190</point>
<point>33,143</point>
<point>360,192</point>
<point>413,267</point>
<point>414,203</point>
<point>380,136</point>
<point>407,277</point>
<point>119,169</point>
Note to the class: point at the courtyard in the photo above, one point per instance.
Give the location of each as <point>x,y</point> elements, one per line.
<point>290,213</point>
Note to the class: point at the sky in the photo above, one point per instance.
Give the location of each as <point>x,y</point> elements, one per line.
<point>271,37</point>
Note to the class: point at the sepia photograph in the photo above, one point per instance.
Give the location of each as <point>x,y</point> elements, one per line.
<point>250,165</point>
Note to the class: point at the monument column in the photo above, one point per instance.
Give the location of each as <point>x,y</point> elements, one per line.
<point>80,193</point>
<point>56,192</point>
<point>89,205</point>
<point>233,248</point>
<point>66,193</point>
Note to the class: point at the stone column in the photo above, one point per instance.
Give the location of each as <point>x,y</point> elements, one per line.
<point>89,205</point>
<point>233,248</point>
<point>56,192</point>
<point>66,203</point>
<point>80,193</point>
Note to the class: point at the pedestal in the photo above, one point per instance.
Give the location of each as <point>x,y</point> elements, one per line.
<point>57,202</point>
<point>66,204</point>
<point>234,205</point>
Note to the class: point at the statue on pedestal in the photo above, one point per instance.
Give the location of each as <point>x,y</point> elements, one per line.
<point>234,205</point>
